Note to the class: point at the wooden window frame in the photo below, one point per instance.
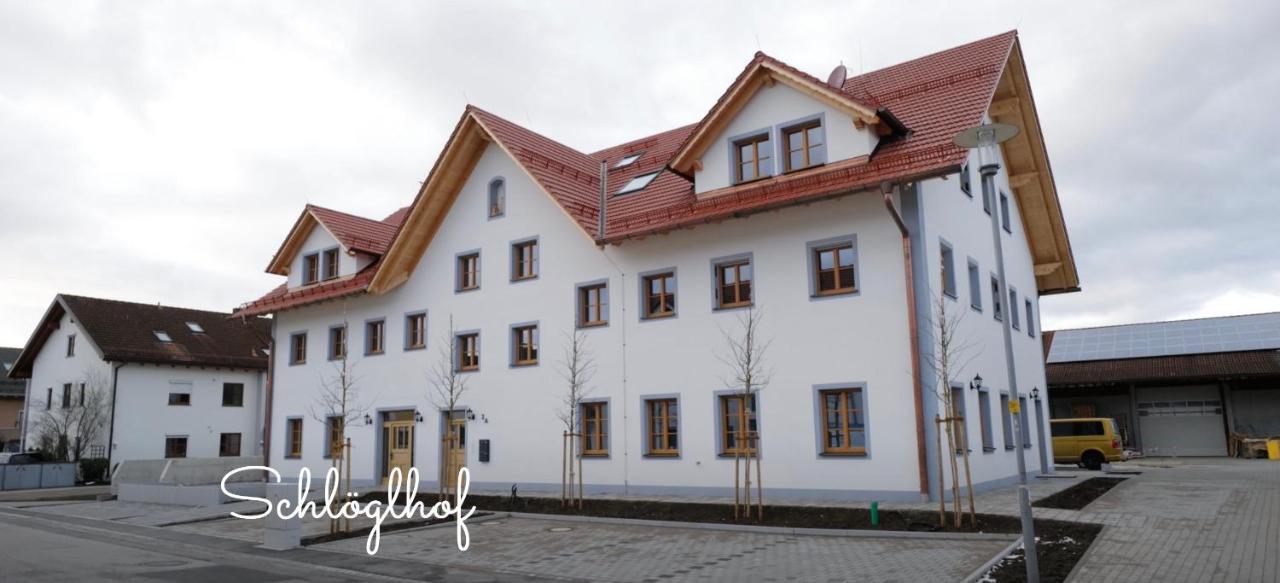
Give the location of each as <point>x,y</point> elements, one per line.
<point>468,271</point>
<point>240,400</point>
<point>947,259</point>
<point>338,342</point>
<point>222,444</point>
<point>375,337</point>
<point>736,265</point>
<point>298,348</point>
<point>600,306</point>
<point>742,432</point>
<point>468,348</point>
<point>845,427</point>
<point>415,325</point>
<point>806,148</point>
<point>600,432</point>
<point>169,451</point>
<point>662,408</point>
<point>524,268</point>
<point>524,345</point>
<point>293,438</point>
<point>310,268</point>
<point>667,290</point>
<point>837,267</point>
<point>757,161</point>
<point>331,264</point>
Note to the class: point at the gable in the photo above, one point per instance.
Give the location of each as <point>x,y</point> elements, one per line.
<point>772,108</point>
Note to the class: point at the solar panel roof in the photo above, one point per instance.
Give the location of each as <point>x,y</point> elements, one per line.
<point>1202,336</point>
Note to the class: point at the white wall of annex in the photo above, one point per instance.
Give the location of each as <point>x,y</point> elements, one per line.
<point>144,417</point>
<point>770,107</point>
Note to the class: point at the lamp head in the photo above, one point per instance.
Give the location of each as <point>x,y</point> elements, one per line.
<point>986,139</point>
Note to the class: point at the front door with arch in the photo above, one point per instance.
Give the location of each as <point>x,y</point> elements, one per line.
<point>453,445</point>
<point>397,442</point>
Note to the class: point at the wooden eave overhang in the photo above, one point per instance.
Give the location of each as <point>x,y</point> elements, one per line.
<point>1031,179</point>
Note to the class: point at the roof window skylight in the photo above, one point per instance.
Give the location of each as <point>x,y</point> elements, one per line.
<point>162,336</point>
<point>194,327</point>
<point>629,160</point>
<point>638,183</point>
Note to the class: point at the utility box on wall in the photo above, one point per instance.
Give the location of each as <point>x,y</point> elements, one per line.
<point>484,450</point>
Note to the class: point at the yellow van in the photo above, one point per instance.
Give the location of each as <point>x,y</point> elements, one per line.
<point>1088,442</point>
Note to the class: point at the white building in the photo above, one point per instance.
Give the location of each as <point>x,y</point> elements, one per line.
<point>513,237</point>
<point>168,382</point>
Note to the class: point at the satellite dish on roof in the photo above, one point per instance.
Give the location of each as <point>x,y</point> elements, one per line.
<point>837,76</point>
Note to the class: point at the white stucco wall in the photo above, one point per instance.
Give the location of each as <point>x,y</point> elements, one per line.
<point>772,108</point>
<point>52,369</point>
<point>317,241</point>
<point>144,417</point>
<point>860,339</point>
<point>959,219</point>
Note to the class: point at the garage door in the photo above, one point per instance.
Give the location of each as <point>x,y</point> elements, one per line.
<point>1181,421</point>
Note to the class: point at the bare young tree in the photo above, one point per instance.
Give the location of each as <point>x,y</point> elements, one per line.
<point>950,357</point>
<point>577,368</point>
<point>67,432</point>
<point>447,386</point>
<point>336,405</point>
<point>745,353</point>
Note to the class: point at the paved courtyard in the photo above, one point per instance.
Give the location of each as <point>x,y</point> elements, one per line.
<point>630,552</point>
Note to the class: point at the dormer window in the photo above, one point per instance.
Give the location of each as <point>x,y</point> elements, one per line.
<point>628,160</point>
<point>162,336</point>
<point>330,263</point>
<point>497,198</point>
<point>310,269</point>
<point>806,146</point>
<point>639,182</point>
<point>194,327</point>
<point>753,158</point>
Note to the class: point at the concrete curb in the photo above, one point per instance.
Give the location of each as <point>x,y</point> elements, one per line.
<point>1000,556</point>
<point>837,532</point>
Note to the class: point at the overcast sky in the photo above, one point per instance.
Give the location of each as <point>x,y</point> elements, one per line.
<point>159,152</point>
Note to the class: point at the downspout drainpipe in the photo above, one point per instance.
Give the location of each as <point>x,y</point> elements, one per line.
<point>269,397</point>
<point>887,190</point>
<point>111,427</point>
<point>604,194</point>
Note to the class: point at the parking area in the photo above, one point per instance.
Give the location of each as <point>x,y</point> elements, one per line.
<point>632,552</point>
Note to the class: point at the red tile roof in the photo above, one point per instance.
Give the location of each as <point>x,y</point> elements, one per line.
<point>356,233</point>
<point>1181,368</point>
<point>934,97</point>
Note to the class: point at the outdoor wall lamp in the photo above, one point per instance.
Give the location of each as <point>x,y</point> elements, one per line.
<point>976,383</point>
<point>367,419</point>
<point>471,415</point>
<point>1035,393</point>
<point>417,416</point>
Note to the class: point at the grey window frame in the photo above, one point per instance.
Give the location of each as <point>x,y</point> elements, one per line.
<point>457,271</point>
<point>782,150</point>
<point>514,349</point>
<point>536,259</point>
<point>947,260</point>
<point>1031,320</point>
<point>293,343</point>
<point>811,257</point>
<point>1006,421</point>
<point>643,280</point>
<point>346,342</point>
<point>408,325</point>
<point>820,425</point>
<point>288,435</point>
<point>960,409</point>
<point>997,303</point>
<point>717,303</point>
<point>984,418</point>
<point>645,449</point>
<point>71,345</point>
<point>578,306</point>
<point>1014,320</point>
<point>368,339</point>
<point>306,280</point>
<point>717,406</point>
<point>607,426</point>
<point>457,337</point>
<point>1004,212</point>
<point>498,185</point>
<point>324,263</point>
<point>966,183</point>
<point>975,285</point>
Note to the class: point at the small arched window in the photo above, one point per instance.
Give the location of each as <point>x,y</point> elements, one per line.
<point>497,198</point>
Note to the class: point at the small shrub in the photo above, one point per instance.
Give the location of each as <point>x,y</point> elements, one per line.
<point>93,469</point>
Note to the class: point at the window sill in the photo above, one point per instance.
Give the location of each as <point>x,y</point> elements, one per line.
<point>659,316</point>
<point>835,293</point>
<point>226,405</point>
<point>988,449</point>
<point>412,348</point>
<point>1008,448</point>
<point>378,353</point>
<point>524,364</point>
<point>293,457</point>
<point>468,370</point>
<point>462,290</point>
<point>663,455</point>
<point>731,307</point>
<point>949,294</point>
<point>298,363</point>
<point>597,455</point>
<point>977,309</point>
<point>728,455</point>
<point>524,278</point>
<point>843,454</point>
<point>585,325</point>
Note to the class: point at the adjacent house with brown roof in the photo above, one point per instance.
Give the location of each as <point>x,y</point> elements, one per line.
<point>123,380</point>
<point>843,208</point>
<point>1177,388</point>
<point>12,392</point>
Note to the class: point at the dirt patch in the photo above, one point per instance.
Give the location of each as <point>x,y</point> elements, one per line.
<point>1079,495</point>
<point>1060,546</point>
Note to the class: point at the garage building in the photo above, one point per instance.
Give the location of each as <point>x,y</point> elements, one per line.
<point>1179,388</point>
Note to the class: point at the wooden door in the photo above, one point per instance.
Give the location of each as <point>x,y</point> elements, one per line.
<point>398,436</point>
<point>455,453</point>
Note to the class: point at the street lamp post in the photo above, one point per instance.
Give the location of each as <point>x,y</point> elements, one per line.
<point>986,139</point>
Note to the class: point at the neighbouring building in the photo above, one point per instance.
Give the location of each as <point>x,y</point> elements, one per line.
<point>1178,388</point>
<point>650,249</point>
<point>155,381</point>
<point>11,394</point>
